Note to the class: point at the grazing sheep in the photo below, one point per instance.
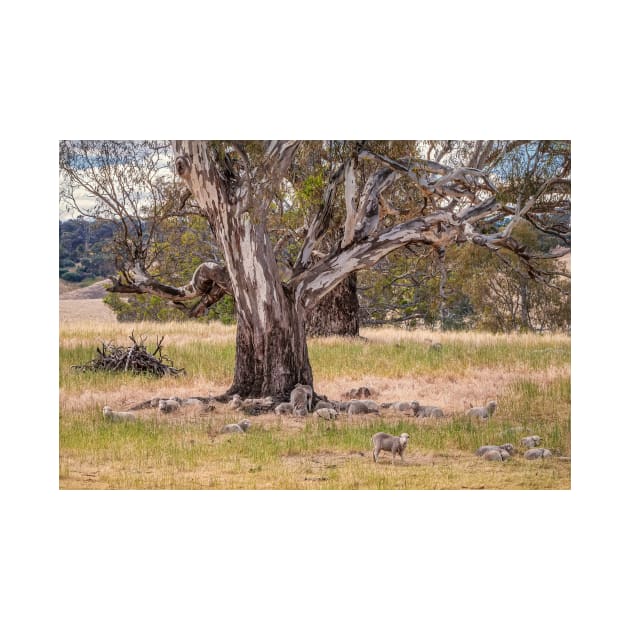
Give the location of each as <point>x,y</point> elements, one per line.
<point>109,414</point>
<point>302,398</point>
<point>482,450</point>
<point>531,441</point>
<point>168,405</point>
<point>537,453</point>
<point>327,414</point>
<point>240,427</point>
<point>387,442</point>
<point>357,407</point>
<point>283,408</point>
<point>427,411</point>
<point>483,412</point>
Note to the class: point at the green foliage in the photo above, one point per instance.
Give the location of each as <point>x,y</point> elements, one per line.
<point>151,308</point>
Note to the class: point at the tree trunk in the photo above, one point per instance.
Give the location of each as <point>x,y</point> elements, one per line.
<point>271,351</point>
<point>338,311</point>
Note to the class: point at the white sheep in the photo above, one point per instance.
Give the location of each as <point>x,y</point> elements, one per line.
<point>326,414</point>
<point>387,442</point>
<point>109,414</point>
<point>240,427</point>
<point>428,411</point>
<point>483,412</point>
<point>236,402</point>
<point>531,441</point>
<point>168,405</point>
<point>537,453</point>
<point>482,450</point>
<point>359,407</point>
<point>283,408</point>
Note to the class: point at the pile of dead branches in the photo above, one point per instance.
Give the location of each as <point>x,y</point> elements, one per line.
<point>135,359</point>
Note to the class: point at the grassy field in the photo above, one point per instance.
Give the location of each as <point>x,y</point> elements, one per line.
<point>528,375</point>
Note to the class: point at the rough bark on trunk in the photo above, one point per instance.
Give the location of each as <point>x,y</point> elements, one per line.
<point>338,311</point>
<point>271,351</point>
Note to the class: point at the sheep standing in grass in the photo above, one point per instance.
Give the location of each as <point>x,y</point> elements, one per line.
<point>240,427</point>
<point>109,414</point>
<point>391,443</point>
<point>483,412</point>
<point>301,399</point>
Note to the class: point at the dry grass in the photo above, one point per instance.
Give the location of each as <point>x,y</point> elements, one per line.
<point>528,374</point>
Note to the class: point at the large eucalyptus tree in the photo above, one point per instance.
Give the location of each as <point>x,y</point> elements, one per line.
<point>440,194</point>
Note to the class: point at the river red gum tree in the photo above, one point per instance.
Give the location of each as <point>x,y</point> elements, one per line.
<point>235,184</point>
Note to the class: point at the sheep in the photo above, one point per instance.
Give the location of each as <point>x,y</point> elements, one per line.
<point>357,407</point>
<point>168,405</point>
<point>531,441</point>
<point>483,412</point>
<point>302,398</point>
<point>406,407</point>
<point>240,427</point>
<point>386,442</point>
<point>324,404</point>
<point>373,407</point>
<point>283,408</point>
<point>109,414</point>
<point>508,448</point>
<point>327,414</point>
<point>496,455</point>
<point>236,402</point>
<point>427,411</point>
<point>537,453</point>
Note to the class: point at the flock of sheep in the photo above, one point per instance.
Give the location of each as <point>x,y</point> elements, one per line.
<point>301,403</point>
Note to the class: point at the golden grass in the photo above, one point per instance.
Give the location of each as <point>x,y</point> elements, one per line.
<point>528,374</point>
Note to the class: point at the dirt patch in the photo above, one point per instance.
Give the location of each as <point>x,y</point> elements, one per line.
<point>74,310</point>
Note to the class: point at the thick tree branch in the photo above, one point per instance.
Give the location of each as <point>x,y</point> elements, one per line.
<point>210,282</point>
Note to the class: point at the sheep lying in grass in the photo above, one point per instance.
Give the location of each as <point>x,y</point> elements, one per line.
<point>283,408</point>
<point>483,412</point>
<point>427,411</point>
<point>327,414</point>
<point>406,407</point>
<point>109,414</point>
<point>240,427</point>
<point>236,402</point>
<point>325,404</point>
<point>496,455</point>
<point>357,407</point>
<point>531,441</point>
<point>482,450</point>
<point>168,405</point>
<point>391,443</point>
<point>537,453</point>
